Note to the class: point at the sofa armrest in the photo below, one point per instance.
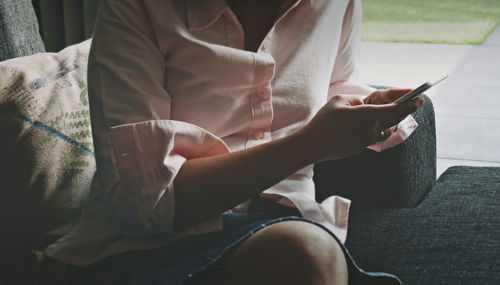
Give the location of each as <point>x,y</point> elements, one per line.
<point>18,30</point>
<point>395,178</point>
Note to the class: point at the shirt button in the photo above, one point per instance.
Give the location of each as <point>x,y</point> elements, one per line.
<point>261,93</point>
<point>258,135</point>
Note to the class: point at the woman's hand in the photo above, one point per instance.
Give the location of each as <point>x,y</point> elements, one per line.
<point>385,97</point>
<point>343,127</point>
<point>347,124</point>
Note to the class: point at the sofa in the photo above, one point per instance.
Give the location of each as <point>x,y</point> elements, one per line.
<point>402,220</point>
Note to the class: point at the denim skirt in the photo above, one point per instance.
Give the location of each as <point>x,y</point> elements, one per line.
<point>201,259</point>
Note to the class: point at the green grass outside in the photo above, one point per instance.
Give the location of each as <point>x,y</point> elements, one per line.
<point>430,21</point>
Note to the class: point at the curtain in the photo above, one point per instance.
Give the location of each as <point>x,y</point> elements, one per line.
<point>65,22</point>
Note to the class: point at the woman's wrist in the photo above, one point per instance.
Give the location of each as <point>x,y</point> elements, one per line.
<point>306,151</point>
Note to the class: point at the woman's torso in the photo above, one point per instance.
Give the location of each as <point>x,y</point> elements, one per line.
<point>244,98</point>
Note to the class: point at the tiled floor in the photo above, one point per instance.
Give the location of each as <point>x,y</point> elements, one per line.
<point>467,104</point>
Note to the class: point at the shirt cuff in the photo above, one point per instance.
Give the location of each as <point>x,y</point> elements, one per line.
<point>147,156</point>
<point>404,130</point>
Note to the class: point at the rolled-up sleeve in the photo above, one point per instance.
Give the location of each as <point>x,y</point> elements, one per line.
<point>132,127</point>
<point>148,156</point>
<point>345,76</point>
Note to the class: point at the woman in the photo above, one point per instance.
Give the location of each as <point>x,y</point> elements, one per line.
<point>207,117</point>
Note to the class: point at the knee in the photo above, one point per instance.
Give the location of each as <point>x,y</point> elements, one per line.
<point>304,244</point>
<point>294,252</point>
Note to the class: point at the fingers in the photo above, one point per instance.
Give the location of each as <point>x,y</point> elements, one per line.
<point>347,100</point>
<point>382,135</point>
<point>391,114</point>
<point>388,132</point>
<point>404,109</point>
<point>385,96</point>
<point>392,95</point>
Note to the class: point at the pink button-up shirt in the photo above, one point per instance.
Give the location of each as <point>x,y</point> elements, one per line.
<point>170,81</point>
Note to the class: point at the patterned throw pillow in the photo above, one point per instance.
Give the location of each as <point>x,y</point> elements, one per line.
<point>46,152</point>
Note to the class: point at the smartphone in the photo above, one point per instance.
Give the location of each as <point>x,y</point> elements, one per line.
<point>417,91</point>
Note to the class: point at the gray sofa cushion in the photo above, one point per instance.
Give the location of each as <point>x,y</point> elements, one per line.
<point>19,34</point>
<point>452,237</point>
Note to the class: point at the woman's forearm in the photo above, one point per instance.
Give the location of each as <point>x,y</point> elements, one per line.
<point>208,186</point>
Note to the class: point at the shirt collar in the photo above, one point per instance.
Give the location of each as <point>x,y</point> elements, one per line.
<point>201,14</point>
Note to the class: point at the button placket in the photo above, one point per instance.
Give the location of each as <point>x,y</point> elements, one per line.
<point>260,103</point>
